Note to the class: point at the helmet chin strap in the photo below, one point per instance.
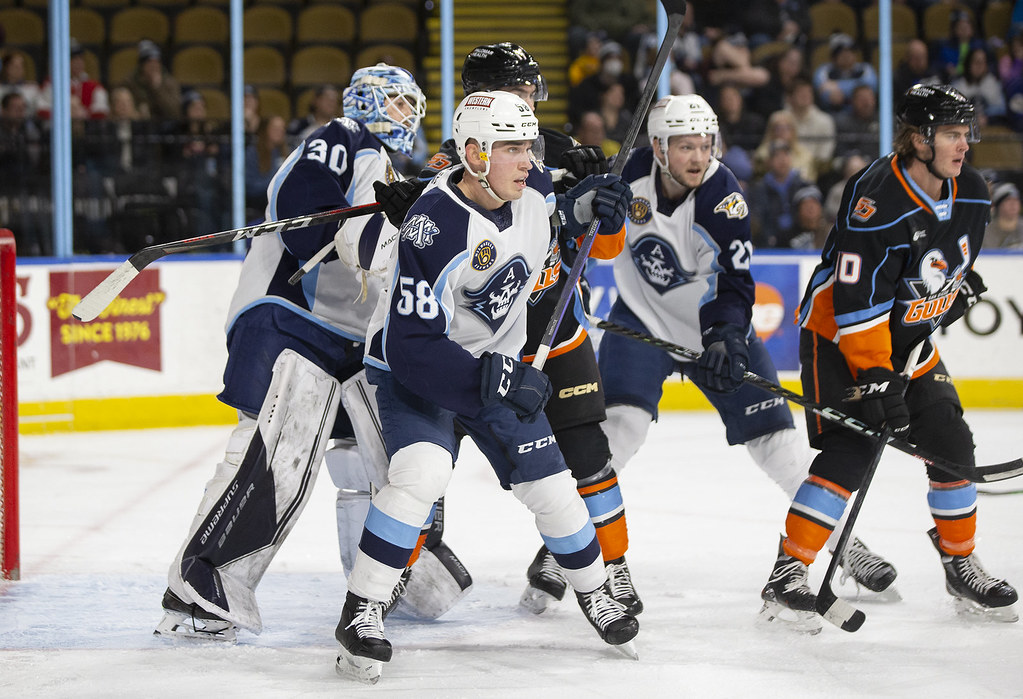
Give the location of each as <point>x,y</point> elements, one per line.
<point>481,177</point>
<point>658,154</point>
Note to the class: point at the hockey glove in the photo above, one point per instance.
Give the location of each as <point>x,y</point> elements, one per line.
<point>969,294</point>
<point>881,392</point>
<point>724,360</point>
<point>397,198</point>
<point>514,384</point>
<point>605,196</point>
<point>581,161</point>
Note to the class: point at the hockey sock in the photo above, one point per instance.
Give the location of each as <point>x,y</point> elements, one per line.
<point>603,501</point>
<point>812,517</point>
<point>954,509</point>
<point>423,533</point>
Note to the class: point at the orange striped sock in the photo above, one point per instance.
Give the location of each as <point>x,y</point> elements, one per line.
<point>604,502</point>
<point>813,515</point>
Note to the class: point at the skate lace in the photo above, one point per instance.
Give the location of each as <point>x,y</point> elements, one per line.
<point>973,574</point>
<point>550,569</point>
<point>619,580</point>
<point>793,574</point>
<point>860,563</point>
<point>368,621</point>
<point>602,608</point>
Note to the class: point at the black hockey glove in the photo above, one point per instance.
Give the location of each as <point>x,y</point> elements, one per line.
<point>581,161</point>
<point>397,198</point>
<point>969,294</point>
<point>881,392</point>
<point>605,196</point>
<point>515,384</point>
<point>724,360</point>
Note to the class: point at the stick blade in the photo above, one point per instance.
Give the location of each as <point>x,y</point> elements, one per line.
<point>105,292</point>
<point>839,612</point>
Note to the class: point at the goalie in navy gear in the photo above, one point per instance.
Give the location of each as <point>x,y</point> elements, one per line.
<point>685,277</point>
<point>576,407</point>
<point>443,346</point>
<point>289,347</point>
<point>896,265</point>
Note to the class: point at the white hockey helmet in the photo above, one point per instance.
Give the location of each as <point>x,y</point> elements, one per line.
<point>490,117</point>
<point>366,100</point>
<point>683,115</point>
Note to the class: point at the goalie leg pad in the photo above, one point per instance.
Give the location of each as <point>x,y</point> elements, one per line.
<point>229,552</point>
<point>437,581</point>
<point>626,428</point>
<point>351,475</point>
<point>358,396</point>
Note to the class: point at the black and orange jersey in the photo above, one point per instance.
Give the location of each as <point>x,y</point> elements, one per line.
<point>893,263</point>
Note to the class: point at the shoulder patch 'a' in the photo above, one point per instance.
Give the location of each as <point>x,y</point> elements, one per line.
<point>419,230</point>
<point>349,124</point>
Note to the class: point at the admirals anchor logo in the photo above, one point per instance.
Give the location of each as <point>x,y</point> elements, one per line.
<point>657,261</point>
<point>492,302</point>
<point>419,230</point>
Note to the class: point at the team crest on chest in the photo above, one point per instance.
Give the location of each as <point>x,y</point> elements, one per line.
<point>492,302</point>
<point>484,256</point>
<point>657,262</point>
<point>419,230</point>
<point>935,289</point>
<point>640,211</point>
<point>732,206</point>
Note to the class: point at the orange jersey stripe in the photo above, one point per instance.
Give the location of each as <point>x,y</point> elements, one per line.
<point>577,339</point>
<point>867,348</point>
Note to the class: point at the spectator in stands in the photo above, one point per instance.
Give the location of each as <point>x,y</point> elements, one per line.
<point>1006,227</point>
<point>20,144</point>
<point>587,63</point>
<point>201,181</point>
<point>980,85</point>
<point>731,62</point>
<point>776,20</point>
<point>781,127</point>
<point>771,199</point>
<point>122,105</point>
<point>251,113</point>
<point>784,69</point>
<point>811,228</point>
<point>585,96</point>
<point>1010,72</point>
<point>590,131</point>
<point>914,68</point>
<point>686,61</point>
<point>836,80</point>
<point>262,160</point>
<point>156,92</point>
<point>962,38</point>
<point>615,114</point>
<point>89,99</point>
<point>13,79</point>
<point>120,148</point>
<point>325,106</point>
<point>815,128</point>
<point>858,129</point>
<point>847,167</point>
<point>739,127</point>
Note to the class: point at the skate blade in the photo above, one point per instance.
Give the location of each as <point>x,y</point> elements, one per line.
<point>974,611</point>
<point>775,616</point>
<point>536,601</point>
<point>861,593</point>
<point>628,649</point>
<point>358,668</point>
<point>176,625</point>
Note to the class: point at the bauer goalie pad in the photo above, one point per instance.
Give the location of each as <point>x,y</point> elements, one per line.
<point>226,557</point>
<point>358,396</point>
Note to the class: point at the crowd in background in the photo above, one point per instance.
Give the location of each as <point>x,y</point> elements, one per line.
<point>150,166</point>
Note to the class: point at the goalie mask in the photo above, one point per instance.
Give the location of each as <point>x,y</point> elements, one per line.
<point>487,118</point>
<point>681,115</point>
<point>493,66</point>
<point>927,107</point>
<point>376,97</point>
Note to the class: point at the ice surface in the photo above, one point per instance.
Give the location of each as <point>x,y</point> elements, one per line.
<point>103,513</point>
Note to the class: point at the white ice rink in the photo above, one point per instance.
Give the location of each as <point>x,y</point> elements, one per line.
<point>103,513</point>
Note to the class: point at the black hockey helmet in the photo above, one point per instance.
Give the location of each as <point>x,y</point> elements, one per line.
<point>493,66</point>
<point>929,106</point>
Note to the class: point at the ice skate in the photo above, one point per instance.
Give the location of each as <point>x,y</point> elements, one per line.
<point>869,570</point>
<point>619,580</point>
<point>615,625</point>
<point>364,649</point>
<point>788,598</point>
<point>976,593</point>
<point>547,583</point>
<point>190,621</point>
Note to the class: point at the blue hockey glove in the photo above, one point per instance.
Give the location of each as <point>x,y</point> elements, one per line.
<point>969,294</point>
<point>515,384</point>
<point>605,196</point>
<point>881,393</point>
<point>724,360</point>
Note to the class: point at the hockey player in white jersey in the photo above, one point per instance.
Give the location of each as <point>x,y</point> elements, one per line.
<point>685,277</point>
<point>443,345</point>
<point>289,347</point>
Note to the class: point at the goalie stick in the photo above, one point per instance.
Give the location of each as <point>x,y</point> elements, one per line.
<point>93,303</point>
<point>978,474</point>
<point>676,10</point>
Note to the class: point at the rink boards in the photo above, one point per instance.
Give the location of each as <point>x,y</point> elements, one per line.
<point>155,357</point>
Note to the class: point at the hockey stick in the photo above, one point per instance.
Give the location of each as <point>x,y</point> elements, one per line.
<point>107,290</point>
<point>977,474</point>
<point>676,10</point>
<point>838,611</point>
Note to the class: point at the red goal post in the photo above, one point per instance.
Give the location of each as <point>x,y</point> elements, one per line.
<point>10,565</point>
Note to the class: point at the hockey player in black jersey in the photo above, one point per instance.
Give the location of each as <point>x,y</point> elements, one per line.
<point>897,264</point>
<point>577,406</point>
